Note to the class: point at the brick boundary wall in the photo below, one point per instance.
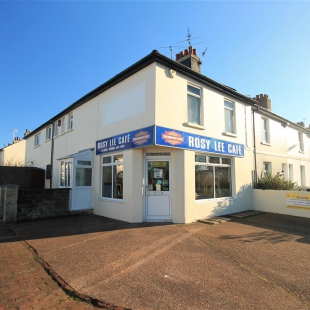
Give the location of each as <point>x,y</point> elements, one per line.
<point>29,204</point>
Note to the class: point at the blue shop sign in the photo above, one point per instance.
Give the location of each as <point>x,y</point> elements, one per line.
<point>134,139</point>
<point>184,140</point>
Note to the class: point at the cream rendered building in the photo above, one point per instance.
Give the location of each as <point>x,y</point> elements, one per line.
<point>14,154</point>
<point>282,147</point>
<point>160,142</point>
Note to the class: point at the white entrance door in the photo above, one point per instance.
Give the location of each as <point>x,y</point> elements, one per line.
<point>157,193</point>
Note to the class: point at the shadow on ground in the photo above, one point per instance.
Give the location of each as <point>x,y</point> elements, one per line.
<point>68,226</point>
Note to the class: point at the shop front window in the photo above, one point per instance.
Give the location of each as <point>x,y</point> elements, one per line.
<point>112,176</point>
<point>212,177</point>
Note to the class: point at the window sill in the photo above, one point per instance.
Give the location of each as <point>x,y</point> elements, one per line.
<point>36,146</point>
<point>302,152</point>
<point>213,199</point>
<point>193,125</point>
<point>121,201</point>
<point>230,134</point>
<point>69,130</point>
<point>48,140</point>
<point>265,143</point>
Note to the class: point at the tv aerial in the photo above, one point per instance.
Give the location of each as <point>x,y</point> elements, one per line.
<point>189,38</point>
<point>13,133</point>
<point>170,47</point>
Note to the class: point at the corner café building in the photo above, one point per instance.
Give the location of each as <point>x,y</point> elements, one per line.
<point>163,174</point>
<point>157,142</point>
<point>158,160</point>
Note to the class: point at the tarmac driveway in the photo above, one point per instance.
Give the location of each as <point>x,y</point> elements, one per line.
<point>258,262</point>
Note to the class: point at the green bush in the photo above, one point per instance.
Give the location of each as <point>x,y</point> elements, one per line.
<point>276,181</point>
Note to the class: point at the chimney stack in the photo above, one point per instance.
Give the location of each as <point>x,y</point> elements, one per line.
<point>27,132</point>
<point>189,58</point>
<point>263,101</point>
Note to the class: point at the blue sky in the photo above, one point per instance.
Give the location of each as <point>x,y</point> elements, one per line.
<point>54,52</point>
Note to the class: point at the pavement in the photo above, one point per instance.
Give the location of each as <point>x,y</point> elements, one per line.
<point>88,262</point>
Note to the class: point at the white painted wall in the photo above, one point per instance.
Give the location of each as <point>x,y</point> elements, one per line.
<point>130,209</point>
<point>171,112</point>
<point>274,201</point>
<point>91,124</point>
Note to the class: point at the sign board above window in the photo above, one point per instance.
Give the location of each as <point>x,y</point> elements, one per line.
<point>170,138</point>
<point>134,139</point>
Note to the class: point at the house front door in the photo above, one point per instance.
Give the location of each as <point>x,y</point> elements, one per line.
<point>158,191</point>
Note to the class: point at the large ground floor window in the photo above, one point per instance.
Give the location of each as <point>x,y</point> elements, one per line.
<point>212,177</point>
<point>112,176</point>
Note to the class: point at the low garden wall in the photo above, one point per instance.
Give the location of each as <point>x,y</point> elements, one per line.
<point>296,203</point>
<point>29,204</point>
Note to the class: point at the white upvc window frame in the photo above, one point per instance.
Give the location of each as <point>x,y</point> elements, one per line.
<point>116,192</point>
<point>291,172</point>
<point>70,121</point>
<point>303,176</point>
<point>63,125</point>
<point>37,140</point>
<point>229,117</point>
<point>213,162</point>
<point>49,133</point>
<point>267,166</point>
<point>65,173</point>
<point>265,132</point>
<point>57,128</point>
<point>301,142</point>
<point>194,91</point>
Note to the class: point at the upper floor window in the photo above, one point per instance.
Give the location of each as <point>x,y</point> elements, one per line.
<point>265,130</point>
<point>62,125</point>
<point>70,121</point>
<point>49,132</point>
<point>37,139</point>
<point>57,126</point>
<point>194,104</point>
<point>301,142</point>
<point>229,116</point>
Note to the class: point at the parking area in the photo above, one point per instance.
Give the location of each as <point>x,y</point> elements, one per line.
<point>256,262</point>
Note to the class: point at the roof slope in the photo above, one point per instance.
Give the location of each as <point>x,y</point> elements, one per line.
<point>154,56</point>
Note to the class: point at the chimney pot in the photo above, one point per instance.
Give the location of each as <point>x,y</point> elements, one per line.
<point>185,52</point>
<point>177,56</point>
<point>181,54</point>
<point>194,51</point>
